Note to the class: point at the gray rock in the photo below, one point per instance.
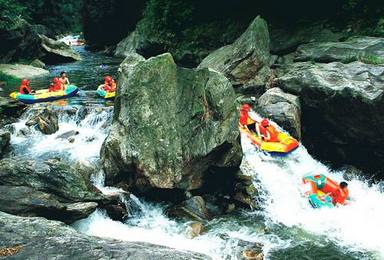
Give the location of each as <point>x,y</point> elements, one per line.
<point>39,238</point>
<point>343,110</point>
<point>193,208</point>
<point>46,121</point>
<point>22,71</point>
<point>56,51</point>
<point>68,134</point>
<point>245,62</point>
<point>38,64</point>
<point>283,108</point>
<point>128,45</point>
<point>170,125</point>
<point>51,189</point>
<point>10,110</point>
<point>365,49</point>
<point>5,138</point>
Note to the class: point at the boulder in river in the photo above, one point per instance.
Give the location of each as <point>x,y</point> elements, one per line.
<point>22,71</point>
<point>57,52</point>
<point>39,238</point>
<point>10,110</point>
<point>342,110</point>
<point>51,189</point>
<point>5,138</point>
<point>46,121</point>
<point>365,49</point>
<point>38,64</point>
<point>171,126</point>
<point>245,62</point>
<point>283,108</point>
<point>193,208</point>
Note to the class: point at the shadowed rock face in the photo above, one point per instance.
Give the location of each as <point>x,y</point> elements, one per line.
<point>342,110</point>
<point>245,62</point>
<point>39,238</point>
<point>170,125</point>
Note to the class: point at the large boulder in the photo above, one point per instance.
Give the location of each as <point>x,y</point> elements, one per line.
<point>171,125</point>
<point>22,71</point>
<point>365,49</point>
<point>245,62</point>
<point>5,138</point>
<point>56,51</point>
<point>342,110</point>
<point>283,108</point>
<point>51,189</point>
<point>38,238</point>
<point>10,109</point>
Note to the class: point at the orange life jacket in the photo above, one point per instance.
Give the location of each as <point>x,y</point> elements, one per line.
<point>273,133</point>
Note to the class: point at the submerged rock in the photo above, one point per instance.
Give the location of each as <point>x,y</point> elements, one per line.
<point>365,49</point>
<point>171,125</point>
<point>68,134</point>
<point>245,62</point>
<point>194,229</point>
<point>283,108</point>
<point>38,238</point>
<point>343,110</point>
<point>46,121</point>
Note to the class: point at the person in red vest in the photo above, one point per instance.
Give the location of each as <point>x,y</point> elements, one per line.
<point>24,87</point>
<point>109,84</point>
<point>245,119</point>
<point>56,85</point>
<point>266,131</point>
<point>340,195</point>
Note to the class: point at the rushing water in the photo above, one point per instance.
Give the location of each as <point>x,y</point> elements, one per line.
<point>285,223</point>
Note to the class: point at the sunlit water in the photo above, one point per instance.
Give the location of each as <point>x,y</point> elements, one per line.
<point>285,223</point>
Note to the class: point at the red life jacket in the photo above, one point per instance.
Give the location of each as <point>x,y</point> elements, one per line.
<point>340,195</point>
<point>109,86</point>
<point>55,87</point>
<point>273,133</point>
<point>245,119</point>
<point>24,89</point>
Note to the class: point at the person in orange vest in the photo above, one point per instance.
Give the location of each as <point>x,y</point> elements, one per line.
<point>56,85</point>
<point>109,84</point>
<point>245,119</point>
<point>340,195</point>
<point>24,87</point>
<point>266,131</point>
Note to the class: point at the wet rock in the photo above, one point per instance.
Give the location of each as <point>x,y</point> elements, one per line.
<point>5,138</point>
<point>51,189</point>
<point>245,62</point>
<point>193,208</point>
<point>194,229</point>
<point>283,108</point>
<point>171,125</point>
<point>57,52</point>
<point>116,212</point>
<point>38,64</point>
<point>245,192</point>
<point>21,71</point>
<point>71,139</point>
<point>40,238</point>
<point>252,255</point>
<point>68,134</point>
<point>46,121</point>
<point>342,110</point>
<point>365,49</point>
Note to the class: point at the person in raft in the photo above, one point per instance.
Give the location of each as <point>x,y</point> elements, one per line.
<point>64,78</point>
<point>56,85</point>
<point>24,87</point>
<point>267,131</point>
<point>246,118</point>
<point>109,84</point>
<point>340,196</point>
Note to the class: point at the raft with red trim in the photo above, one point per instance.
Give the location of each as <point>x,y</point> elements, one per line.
<point>286,143</point>
<point>317,189</point>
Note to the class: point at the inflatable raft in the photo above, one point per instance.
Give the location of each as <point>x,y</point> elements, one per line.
<point>317,188</point>
<point>45,96</point>
<point>104,94</point>
<point>286,143</point>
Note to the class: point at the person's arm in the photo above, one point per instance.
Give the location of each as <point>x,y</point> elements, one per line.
<point>68,81</point>
<point>257,126</point>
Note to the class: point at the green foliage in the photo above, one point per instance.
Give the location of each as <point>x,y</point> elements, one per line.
<point>10,13</point>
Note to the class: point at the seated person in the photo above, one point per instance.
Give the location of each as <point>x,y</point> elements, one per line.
<point>266,131</point>
<point>24,87</point>
<point>245,118</point>
<point>64,79</point>
<point>109,84</point>
<point>56,85</point>
<point>341,194</point>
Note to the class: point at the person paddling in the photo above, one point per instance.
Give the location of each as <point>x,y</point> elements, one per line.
<point>64,78</point>
<point>24,87</point>
<point>109,84</point>
<point>266,131</point>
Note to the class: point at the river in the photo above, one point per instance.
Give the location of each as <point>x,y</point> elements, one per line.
<point>285,223</point>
